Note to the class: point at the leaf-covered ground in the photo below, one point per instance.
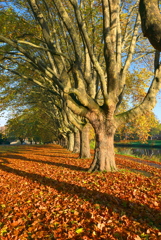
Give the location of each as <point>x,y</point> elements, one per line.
<point>46,193</point>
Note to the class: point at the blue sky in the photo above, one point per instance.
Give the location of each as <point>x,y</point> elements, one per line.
<point>157,110</point>
<point>3,120</point>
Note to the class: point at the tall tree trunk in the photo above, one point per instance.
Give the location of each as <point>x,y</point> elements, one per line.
<point>70,141</point>
<point>76,148</point>
<point>84,142</point>
<point>62,141</point>
<point>104,157</point>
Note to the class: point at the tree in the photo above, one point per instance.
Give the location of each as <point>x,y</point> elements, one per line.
<point>3,138</point>
<point>80,129</point>
<point>155,131</point>
<point>34,125</point>
<point>19,95</point>
<point>87,64</point>
<point>151,21</point>
<point>139,128</point>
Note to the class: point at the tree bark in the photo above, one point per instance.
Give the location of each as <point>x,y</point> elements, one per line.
<point>62,140</point>
<point>105,127</point>
<point>84,142</point>
<point>104,157</point>
<point>70,141</point>
<point>76,148</point>
<point>151,21</point>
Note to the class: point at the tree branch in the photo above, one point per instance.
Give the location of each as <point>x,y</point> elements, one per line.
<point>130,53</point>
<point>71,29</point>
<point>42,48</point>
<point>147,104</point>
<point>36,63</point>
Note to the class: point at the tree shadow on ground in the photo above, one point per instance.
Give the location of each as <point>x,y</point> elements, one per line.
<point>4,161</point>
<point>135,211</point>
<point>152,164</point>
<point>58,156</point>
<point>142,172</point>
<point>72,167</point>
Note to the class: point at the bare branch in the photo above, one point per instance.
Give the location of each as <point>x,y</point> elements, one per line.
<point>71,28</point>
<point>96,64</point>
<point>42,48</point>
<point>131,51</point>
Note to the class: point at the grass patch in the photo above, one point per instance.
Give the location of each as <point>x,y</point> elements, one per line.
<point>129,152</point>
<point>153,158</point>
<point>148,143</point>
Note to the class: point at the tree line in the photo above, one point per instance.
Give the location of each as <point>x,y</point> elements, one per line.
<point>80,64</point>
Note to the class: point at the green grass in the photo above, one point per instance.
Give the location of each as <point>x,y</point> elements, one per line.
<point>148,143</point>
<point>125,151</point>
<point>128,152</point>
<point>152,158</point>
